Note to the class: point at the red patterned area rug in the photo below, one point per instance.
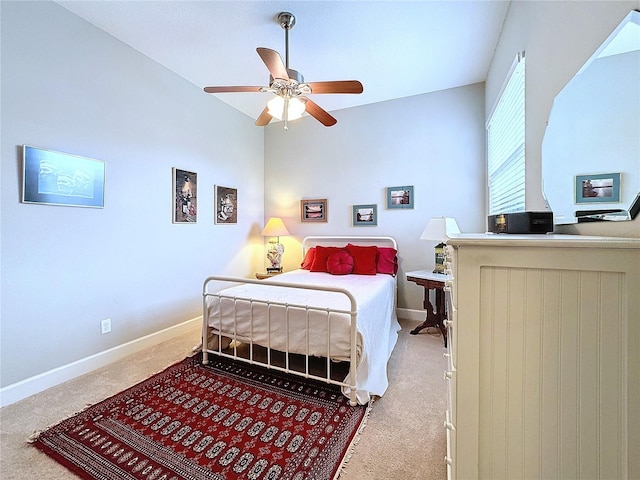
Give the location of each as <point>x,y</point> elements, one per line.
<point>220,421</point>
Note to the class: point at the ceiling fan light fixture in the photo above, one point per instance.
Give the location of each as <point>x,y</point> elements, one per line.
<point>295,108</point>
<point>289,87</point>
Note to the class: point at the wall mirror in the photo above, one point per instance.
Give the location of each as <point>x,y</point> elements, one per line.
<point>591,147</point>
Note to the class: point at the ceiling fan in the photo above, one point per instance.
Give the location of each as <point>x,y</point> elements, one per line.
<point>289,86</point>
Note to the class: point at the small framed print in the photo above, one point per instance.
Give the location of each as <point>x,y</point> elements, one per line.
<point>185,195</point>
<point>55,178</point>
<point>314,210</point>
<point>226,205</point>
<point>598,188</point>
<point>365,215</point>
<point>400,197</point>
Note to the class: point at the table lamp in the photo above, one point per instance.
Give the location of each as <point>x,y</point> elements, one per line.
<point>275,229</point>
<point>439,229</point>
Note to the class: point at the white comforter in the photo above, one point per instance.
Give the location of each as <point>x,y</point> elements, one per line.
<point>377,325</point>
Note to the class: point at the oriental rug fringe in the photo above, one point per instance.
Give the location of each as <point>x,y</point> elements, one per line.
<point>219,421</point>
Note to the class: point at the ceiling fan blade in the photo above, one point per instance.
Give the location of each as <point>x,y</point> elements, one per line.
<point>319,113</point>
<point>231,89</point>
<point>338,86</point>
<point>264,118</point>
<point>272,60</point>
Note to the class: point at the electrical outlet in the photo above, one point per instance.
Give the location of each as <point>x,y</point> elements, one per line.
<point>105,326</point>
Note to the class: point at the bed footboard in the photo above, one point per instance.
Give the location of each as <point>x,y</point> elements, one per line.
<point>235,322</point>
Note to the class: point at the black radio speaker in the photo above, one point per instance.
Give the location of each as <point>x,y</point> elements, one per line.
<point>521,222</point>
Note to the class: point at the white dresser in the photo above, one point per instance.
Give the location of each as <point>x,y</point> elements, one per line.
<point>543,357</point>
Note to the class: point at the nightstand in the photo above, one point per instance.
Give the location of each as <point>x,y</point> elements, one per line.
<point>431,281</point>
<point>263,275</point>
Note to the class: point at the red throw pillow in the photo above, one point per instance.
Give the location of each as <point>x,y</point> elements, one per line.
<point>308,259</point>
<point>387,260</point>
<point>340,263</point>
<point>364,259</point>
<point>320,260</point>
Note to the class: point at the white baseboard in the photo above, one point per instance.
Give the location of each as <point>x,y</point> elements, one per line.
<point>410,314</point>
<point>38,383</point>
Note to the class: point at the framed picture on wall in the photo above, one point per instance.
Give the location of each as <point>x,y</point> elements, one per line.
<point>55,178</point>
<point>598,188</point>
<point>314,210</point>
<point>226,202</point>
<point>365,215</point>
<point>185,196</point>
<point>400,197</point>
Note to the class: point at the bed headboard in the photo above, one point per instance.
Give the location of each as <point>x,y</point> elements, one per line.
<point>337,241</point>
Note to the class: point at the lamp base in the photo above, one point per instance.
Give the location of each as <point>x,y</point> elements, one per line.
<point>274,256</point>
<point>439,264</point>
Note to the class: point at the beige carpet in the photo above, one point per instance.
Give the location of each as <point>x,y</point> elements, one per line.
<point>404,437</point>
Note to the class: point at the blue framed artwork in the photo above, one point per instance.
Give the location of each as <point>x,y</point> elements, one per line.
<point>598,188</point>
<point>400,197</point>
<point>55,178</point>
<point>365,215</point>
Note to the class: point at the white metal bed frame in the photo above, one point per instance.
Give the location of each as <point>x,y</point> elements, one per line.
<point>308,242</point>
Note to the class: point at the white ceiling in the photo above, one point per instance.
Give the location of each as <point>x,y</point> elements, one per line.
<point>395,48</point>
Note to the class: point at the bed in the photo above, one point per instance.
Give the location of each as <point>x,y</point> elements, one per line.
<point>337,307</point>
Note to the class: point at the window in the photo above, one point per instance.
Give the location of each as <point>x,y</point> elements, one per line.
<point>505,145</point>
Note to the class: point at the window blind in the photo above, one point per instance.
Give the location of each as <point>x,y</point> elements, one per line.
<point>505,145</point>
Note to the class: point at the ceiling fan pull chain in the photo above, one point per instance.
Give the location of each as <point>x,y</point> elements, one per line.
<point>285,115</point>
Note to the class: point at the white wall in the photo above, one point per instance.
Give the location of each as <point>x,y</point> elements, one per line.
<point>69,87</point>
<point>434,142</point>
<point>558,38</point>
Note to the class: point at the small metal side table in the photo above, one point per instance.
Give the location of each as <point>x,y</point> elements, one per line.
<point>431,281</point>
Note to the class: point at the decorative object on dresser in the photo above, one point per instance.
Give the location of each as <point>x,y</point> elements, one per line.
<point>185,192</point>
<point>521,222</point>
<point>543,357</point>
<point>440,229</point>
<point>275,229</point>
<point>54,178</point>
<point>610,214</point>
<point>223,420</point>
<point>431,281</point>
